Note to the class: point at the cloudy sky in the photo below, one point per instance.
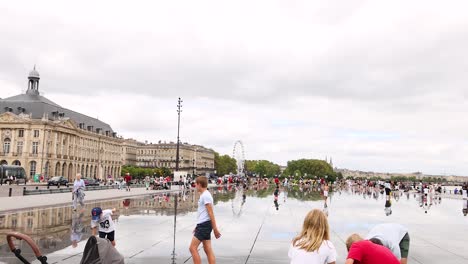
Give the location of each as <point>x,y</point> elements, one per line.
<point>377,85</point>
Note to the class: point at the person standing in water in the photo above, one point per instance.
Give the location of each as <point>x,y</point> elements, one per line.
<point>206,223</point>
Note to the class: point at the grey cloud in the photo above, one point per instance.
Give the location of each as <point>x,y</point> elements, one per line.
<point>390,68</point>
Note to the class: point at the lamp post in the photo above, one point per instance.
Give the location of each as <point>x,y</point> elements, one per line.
<point>179,110</point>
<point>193,167</point>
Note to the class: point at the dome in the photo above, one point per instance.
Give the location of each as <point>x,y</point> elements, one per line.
<point>34,73</point>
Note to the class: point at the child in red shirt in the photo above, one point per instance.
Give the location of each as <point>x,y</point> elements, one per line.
<point>365,252</point>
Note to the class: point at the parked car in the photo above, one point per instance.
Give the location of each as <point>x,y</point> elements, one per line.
<point>90,182</point>
<point>58,180</point>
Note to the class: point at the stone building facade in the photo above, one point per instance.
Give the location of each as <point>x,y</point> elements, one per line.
<point>194,159</point>
<point>45,138</point>
<point>129,151</point>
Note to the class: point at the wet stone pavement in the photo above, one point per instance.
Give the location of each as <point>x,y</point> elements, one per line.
<point>254,229</point>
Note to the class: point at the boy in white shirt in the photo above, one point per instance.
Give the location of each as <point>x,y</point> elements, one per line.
<point>205,224</point>
<point>103,219</point>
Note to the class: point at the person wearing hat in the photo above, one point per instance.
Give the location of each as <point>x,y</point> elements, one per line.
<point>102,220</point>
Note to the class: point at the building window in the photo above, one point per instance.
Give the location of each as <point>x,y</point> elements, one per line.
<point>21,133</point>
<point>35,147</point>
<point>6,146</point>
<point>19,148</point>
<point>36,133</point>
<point>32,170</point>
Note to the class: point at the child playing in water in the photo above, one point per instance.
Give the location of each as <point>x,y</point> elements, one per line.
<point>103,219</point>
<point>205,224</point>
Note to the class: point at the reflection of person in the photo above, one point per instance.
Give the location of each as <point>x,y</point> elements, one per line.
<point>205,224</point>
<point>77,229</point>
<point>275,202</point>
<point>465,200</point>
<point>325,208</point>
<point>78,191</point>
<point>126,204</point>
<point>392,236</point>
<point>103,219</point>
<point>365,252</point>
<point>388,206</point>
<point>313,244</point>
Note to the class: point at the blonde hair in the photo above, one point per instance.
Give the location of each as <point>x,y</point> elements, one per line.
<point>351,239</point>
<point>314,231</point>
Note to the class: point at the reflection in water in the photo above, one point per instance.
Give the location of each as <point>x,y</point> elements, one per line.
<point>427,195</point>
<point>465,200</point>
<point>237,203</point>
<point>325,208</point>
<point>77,229</point>
<point>388,206</point>
<point>54,228</point>
<point>275,199</point>
<point>465,207</point>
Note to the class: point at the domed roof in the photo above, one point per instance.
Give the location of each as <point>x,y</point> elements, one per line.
<point>34,73</point>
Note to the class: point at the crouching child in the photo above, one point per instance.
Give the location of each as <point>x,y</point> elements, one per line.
<point>101,220</point>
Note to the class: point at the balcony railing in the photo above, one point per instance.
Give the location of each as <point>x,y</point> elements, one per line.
<point>65,156</point>
<point>4,153</point>
<point>33,155</point>
<point>49,155</point>
<point>59,156</point>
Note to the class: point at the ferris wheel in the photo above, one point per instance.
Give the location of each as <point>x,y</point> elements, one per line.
<point>239,155</point>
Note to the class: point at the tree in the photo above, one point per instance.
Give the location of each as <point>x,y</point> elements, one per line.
<point>311,167</point>
<point>225,164</point>
<point>262,168</point>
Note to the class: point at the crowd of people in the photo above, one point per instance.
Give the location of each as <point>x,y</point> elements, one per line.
<point>384,243</point>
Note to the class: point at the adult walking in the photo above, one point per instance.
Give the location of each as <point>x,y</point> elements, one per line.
<point>128,181</point>
<point>78,191</point>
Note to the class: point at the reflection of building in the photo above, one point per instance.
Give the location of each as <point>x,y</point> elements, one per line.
<point>193,158</point>
<point>50,228</point>
<point>46,138</point>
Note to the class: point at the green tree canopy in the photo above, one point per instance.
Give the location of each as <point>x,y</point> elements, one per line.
<point>225,164</point>
<point>139,172</point>
<point>309,168</point>
<point>262,168</point>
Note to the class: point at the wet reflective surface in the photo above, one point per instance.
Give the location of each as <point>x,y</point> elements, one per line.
<point>256,226</point>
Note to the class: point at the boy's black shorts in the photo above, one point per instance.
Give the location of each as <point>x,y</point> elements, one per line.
<point>388,191</point>
<point>203,231</point>
<point>110,236</point>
